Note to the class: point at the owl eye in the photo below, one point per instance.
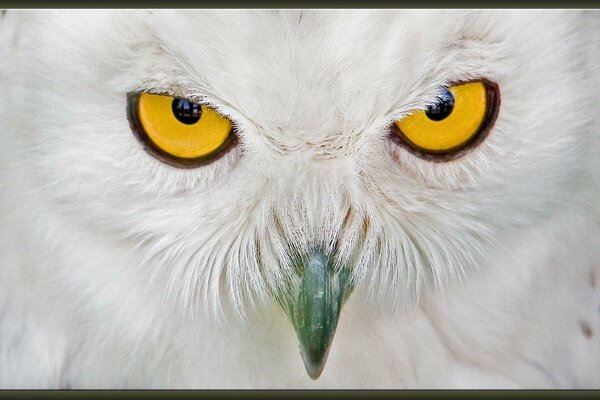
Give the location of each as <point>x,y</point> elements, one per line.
<point>177,131</point>
<point>456,122</point>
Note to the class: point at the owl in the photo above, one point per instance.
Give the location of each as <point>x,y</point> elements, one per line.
<point>299,199</point>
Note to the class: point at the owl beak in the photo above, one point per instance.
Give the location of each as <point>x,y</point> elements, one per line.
<point>313,305</point>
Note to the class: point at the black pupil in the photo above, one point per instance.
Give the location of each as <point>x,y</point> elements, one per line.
<point>186,112</point>
<point>442,107</point>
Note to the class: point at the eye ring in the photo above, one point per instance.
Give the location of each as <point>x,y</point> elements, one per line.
<point>492,94</point>
<point>155,151</point>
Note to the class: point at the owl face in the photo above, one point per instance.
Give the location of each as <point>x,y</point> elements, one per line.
<point>315,168</point>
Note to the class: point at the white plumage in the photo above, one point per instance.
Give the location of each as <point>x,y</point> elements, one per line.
<point>118,270</point>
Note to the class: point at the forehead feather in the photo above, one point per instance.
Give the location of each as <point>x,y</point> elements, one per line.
<point>307,75</point>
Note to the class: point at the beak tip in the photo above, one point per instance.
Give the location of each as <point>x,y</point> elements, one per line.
<point>314,375</point>
<point>314,368</point>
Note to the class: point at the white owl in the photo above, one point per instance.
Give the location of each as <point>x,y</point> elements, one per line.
<point>198,199</point>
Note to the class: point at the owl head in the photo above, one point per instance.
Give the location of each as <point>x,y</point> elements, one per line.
<point>230,160</point>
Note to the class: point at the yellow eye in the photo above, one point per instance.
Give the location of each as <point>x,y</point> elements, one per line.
<point>460,118</point>
<point>178,131</point>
